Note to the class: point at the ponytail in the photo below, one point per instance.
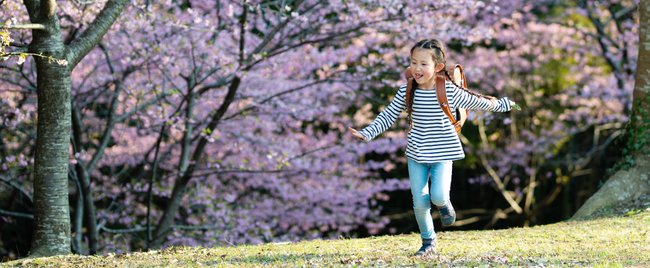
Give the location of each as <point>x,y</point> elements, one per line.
<point>409,105</point>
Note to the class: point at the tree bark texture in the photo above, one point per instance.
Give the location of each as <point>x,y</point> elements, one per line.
<point>51,206</point>
<point>51,209</point>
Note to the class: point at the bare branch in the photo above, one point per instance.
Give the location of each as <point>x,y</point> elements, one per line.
<point>186,143</point>
<point>495,177</point>
<point>137,108</point>
<point>621,13</point>
<point>110,123</point>
<point>249,171</point>
<point>80,47</point>
<point>15,185</point>
<point>29,26</point>
<point>250,107</point>
<point>242,33</point>
<point>123,231</point>
<point>500,185</point>
<point>16,214</point>
<point>219,83</point>
<point>269,36</point>
<point>152,178</point>
<point>602,36</point>
<point>181,183</point>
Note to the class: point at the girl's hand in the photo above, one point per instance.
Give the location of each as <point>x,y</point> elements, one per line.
<point>515,105</point>
<point>357,134</point>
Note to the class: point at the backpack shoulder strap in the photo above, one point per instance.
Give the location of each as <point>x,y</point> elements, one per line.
<point>441,95</point>
<point>459,78</point>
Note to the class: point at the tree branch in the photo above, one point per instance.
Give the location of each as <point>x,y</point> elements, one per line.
<point>500,186</point>
<point>238,171</point>
<point>621,13</point>
<point>219,83</point>
<point>252,106</point>
<point>137,108</point>
<point>152,178</point>
<point>16,214</point>
<point>80,47</point>
<point>600,28</point>
<point>269,36</point>
<point>14,185</point>
<point>242,33</point>
<point>30,26</point>
<point>181,183</point>
<point>110,123</point>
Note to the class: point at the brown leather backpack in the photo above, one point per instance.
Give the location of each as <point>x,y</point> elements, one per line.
<point>441,93</point>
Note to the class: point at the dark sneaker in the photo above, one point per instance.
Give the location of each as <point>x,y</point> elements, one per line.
<point>447,214</point>
<point>428,247</point>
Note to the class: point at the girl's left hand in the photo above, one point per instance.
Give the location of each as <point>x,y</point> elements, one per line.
<point>357,134</point>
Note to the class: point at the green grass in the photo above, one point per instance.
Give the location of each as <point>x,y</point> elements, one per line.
<point>604,242</point>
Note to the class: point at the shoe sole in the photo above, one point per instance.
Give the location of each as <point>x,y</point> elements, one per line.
<point>447,225</point>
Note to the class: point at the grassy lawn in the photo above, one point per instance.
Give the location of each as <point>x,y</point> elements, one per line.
<point>615,241</point>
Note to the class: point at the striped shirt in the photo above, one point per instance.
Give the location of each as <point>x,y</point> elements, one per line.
<point>432,138</point>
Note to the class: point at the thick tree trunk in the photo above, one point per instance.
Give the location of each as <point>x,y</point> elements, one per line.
<point>626,185</point>
<point>641,96</point>
<point>51,209</point>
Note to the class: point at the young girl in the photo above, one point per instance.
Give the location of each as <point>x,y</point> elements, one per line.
<point>432,141</point>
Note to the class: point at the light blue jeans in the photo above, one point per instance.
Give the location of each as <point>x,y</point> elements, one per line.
<point>423,195</point>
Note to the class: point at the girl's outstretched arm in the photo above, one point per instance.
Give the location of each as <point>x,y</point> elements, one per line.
<point>386,118</point>
<point>465,100</point>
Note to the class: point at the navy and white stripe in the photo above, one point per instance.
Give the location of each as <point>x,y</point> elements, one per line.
<point>433,138</point>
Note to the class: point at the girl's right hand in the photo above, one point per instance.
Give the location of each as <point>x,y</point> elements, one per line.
<point>357,134</point>
<point>515,106</point>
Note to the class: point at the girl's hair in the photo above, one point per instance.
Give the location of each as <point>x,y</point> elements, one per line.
<point>438,54</point>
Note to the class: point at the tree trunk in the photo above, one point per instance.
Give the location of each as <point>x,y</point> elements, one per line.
<point>626,185</point>
<point>641,108</point>
<point>51,209</point>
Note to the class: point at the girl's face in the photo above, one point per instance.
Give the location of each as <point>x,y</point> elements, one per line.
<point>424,68</point>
